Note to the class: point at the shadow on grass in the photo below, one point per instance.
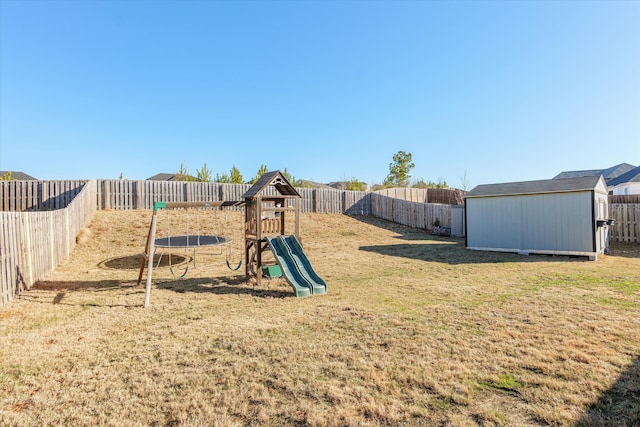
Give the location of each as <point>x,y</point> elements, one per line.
<point>620,405</point>
<point>404,232</point>
<point>624,249</point>
<point>91,286</point>
<point>450,250</point>
<point>218,286</point>
<point>64,288</point>
<point>133,262</point>
<point>222,286</point>
<point>455,253</point>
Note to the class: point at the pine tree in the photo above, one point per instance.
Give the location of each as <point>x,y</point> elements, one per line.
<point>204,174</point>
<point>263,169</point>
<point>235,176</point>
<point>289,177</point>
<point>399,170</point>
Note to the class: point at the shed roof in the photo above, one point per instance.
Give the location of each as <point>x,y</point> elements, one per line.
<point>631,176</point>
<point>565,185</point>
<point>274,178</point>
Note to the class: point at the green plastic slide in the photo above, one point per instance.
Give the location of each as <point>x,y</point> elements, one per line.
<point>296,267</point>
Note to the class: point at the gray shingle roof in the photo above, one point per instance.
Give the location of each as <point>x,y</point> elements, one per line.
<point>274,178</point>
<point>19,176</point>
<point>616,171</point>
<point>631,176</point>
<point>163,177</point>
<point>608,174</point>
<point>535,187</point>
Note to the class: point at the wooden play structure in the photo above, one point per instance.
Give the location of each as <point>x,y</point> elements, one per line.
<point>268,205</point>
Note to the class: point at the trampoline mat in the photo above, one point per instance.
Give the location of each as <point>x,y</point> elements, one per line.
<point>191,240</point>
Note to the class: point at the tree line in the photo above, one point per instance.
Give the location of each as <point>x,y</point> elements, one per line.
<point>234,176</point>
<point>399,176</point>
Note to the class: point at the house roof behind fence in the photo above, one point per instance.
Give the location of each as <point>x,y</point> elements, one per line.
<point>18,176</point>
<point>632,176</point>
<point>609,173</point>
<point>565,185</point>
<point>274,178</point>
<point>163,177</point>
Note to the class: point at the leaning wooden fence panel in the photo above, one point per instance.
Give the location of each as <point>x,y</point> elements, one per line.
<point>413,214</point>
<point>381,206</point>
<point>32,244</point>
<point>21,196</point>
<point>356,203</point>
<point>449,196</point>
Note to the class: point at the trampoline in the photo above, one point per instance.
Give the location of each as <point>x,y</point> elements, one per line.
<point>185,242</point>
<point>190,241</point>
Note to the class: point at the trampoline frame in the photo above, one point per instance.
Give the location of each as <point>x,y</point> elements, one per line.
<point>184,242</point>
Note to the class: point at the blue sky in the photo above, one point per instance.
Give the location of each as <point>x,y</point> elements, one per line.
<point>331,90</point>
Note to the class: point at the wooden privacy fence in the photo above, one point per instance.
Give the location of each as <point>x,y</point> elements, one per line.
<point>41,219</point>
<point>32,244</point>
<point>447,196</point>
<point>626,226</point>
<point>413,214</point>
<point>20,196</point>
<point>629,198</point>
<point>125,195</point>
<point>129,194</point>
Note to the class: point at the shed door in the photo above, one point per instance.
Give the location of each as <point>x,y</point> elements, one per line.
<point>602,232</point>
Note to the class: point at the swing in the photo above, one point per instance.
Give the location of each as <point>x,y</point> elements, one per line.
<point>186,241</point>
<point>194,242</point>
<point>230,248</point>
<point>178,241</point>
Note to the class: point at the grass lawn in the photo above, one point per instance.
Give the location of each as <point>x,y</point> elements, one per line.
<point>414,330</point>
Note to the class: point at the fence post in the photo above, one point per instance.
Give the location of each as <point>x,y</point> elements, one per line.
<point>314,197</point>
<point>105,195</point>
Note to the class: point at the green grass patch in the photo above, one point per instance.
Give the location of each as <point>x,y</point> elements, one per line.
<point>627,287</point>
<point>506,382</point>
<point>440,403</point>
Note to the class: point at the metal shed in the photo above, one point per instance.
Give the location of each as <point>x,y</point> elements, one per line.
<point>555,216</point>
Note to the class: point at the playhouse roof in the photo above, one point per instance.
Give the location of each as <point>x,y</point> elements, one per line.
<point>275,179</point>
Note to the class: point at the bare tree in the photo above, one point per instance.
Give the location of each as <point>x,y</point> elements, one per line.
<point>464,181</point>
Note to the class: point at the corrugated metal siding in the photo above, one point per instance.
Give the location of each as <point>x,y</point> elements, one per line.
<point>547,222</point>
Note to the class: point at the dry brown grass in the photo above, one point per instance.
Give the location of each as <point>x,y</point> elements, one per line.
<point>415,330</point>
